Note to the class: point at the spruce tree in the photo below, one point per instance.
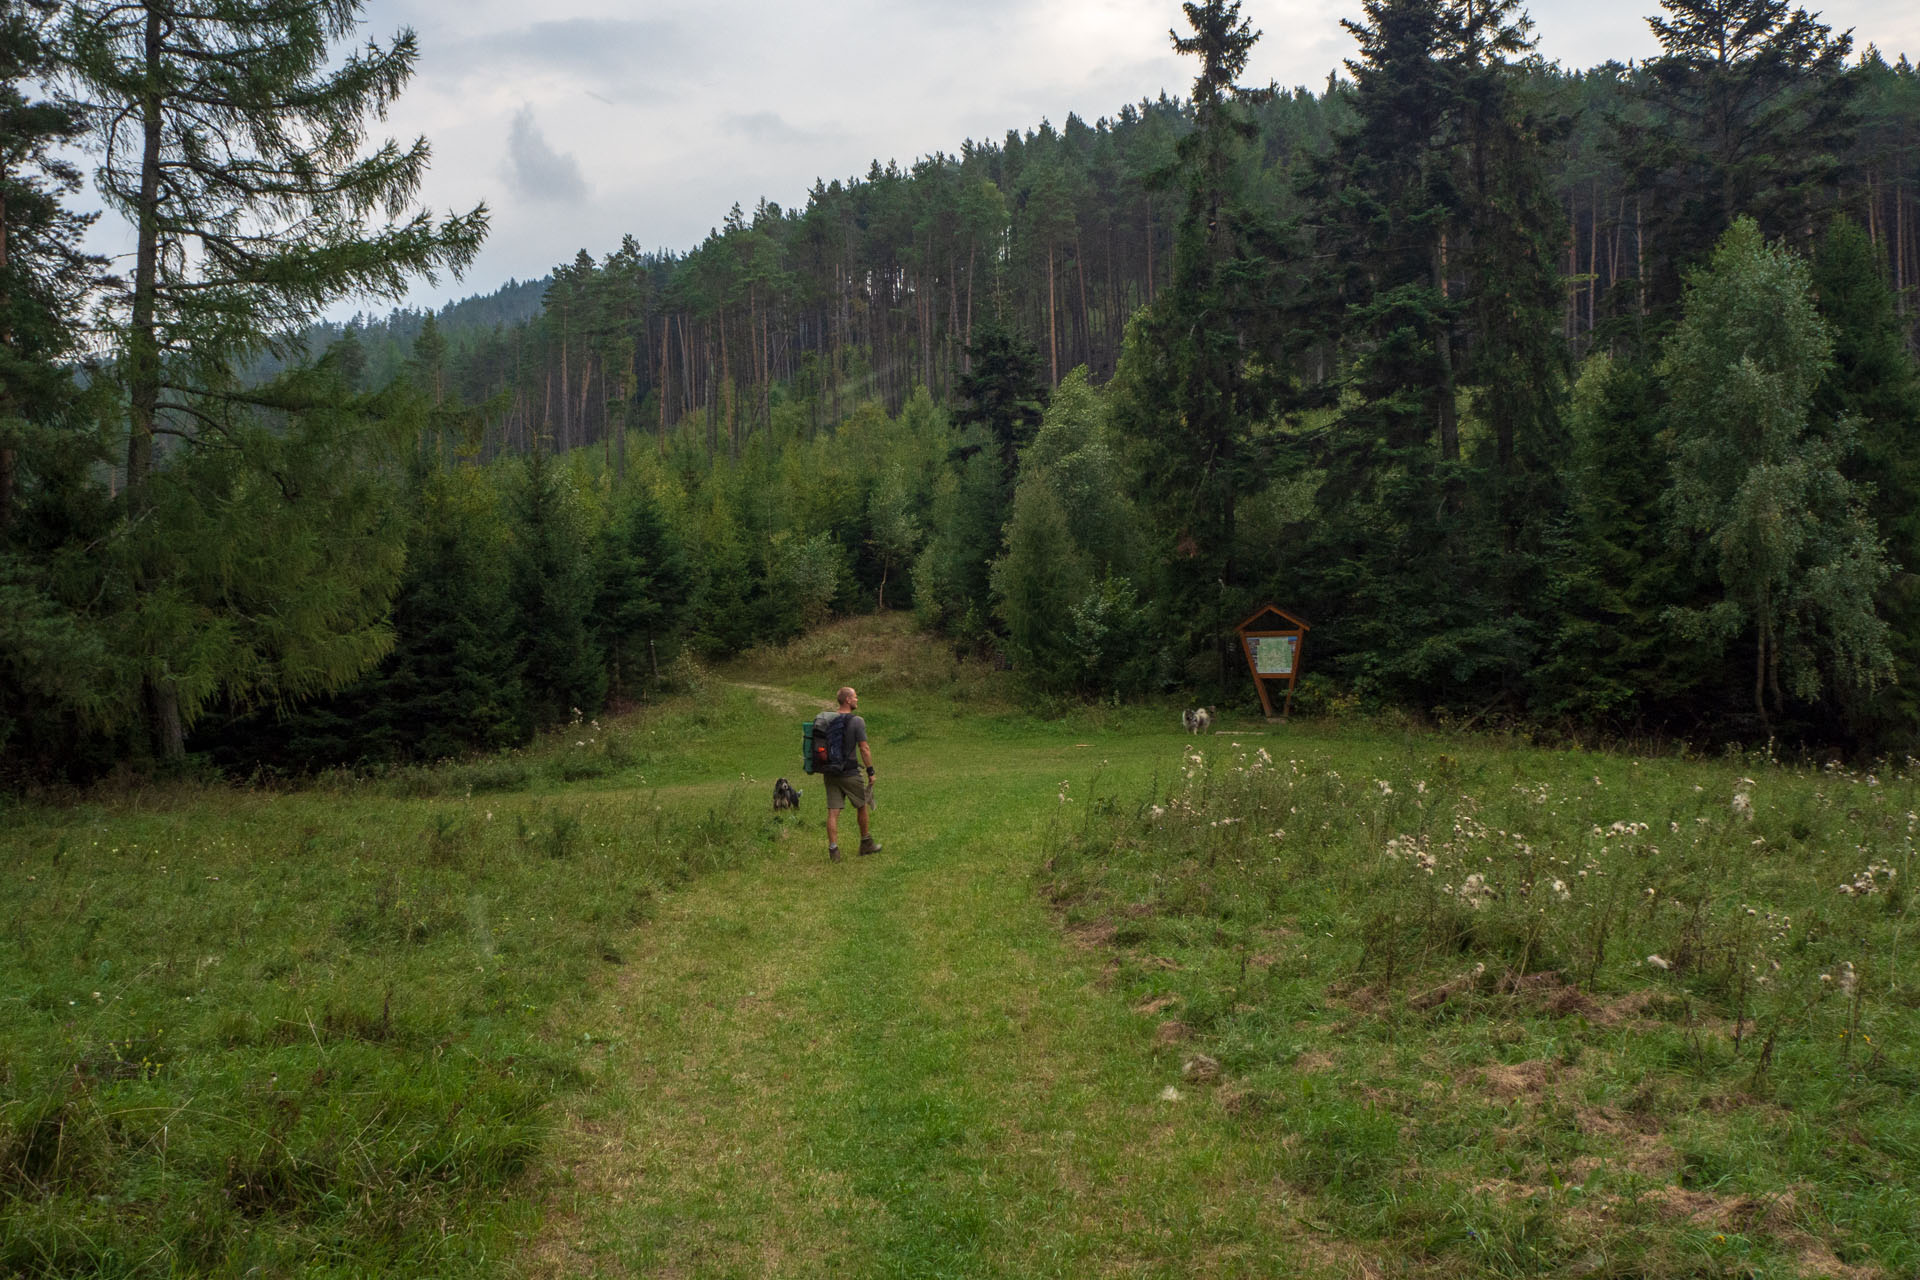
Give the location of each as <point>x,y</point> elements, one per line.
<point>1037,583</point>
<point>1200,369</point>
<point>552,595</point>
<point>54,661</point>
<point>1874,382</point>
<point>1438,228</point>
<point>1002,391</point>
<point>643,584</point>
<point>231,139</point>
<point>451,685</point>
<point>952,579</point>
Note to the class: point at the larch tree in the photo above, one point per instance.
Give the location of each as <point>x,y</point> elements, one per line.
<point>233,140</point>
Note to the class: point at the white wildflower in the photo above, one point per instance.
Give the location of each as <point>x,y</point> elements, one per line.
<point>1660,962</point>
<point>1474,891</point>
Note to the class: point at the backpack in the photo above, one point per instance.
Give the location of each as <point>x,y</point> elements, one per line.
<point>823,743</point>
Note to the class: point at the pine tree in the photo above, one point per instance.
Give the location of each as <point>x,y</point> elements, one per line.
<point>1746,112</point>
<point>231,140</point>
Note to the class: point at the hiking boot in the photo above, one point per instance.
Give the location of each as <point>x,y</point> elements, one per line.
<point>833,853</point>
<point>869,845</point>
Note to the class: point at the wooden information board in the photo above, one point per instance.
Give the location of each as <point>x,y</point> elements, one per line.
<point>1272,639</point>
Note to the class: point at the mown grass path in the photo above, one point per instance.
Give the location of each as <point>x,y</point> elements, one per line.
<point>899,1065</point>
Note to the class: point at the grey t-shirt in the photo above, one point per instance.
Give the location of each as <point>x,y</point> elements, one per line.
<point>856,733</point>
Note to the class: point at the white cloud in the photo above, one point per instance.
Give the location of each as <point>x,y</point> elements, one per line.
<point>535,171</point>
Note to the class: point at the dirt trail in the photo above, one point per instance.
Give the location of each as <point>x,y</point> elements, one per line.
<point>897,1066</point>
<point>788,702</point>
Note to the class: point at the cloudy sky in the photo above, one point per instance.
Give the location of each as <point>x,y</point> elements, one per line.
<point>578,121</point>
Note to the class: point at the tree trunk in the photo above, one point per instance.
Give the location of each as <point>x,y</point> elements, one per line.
<point>1053,329</point>
<point>1086,317</point>
<point>766,372</point>
<point>1149,201</point>
<point>566,385</point>
<point>966,357</point>
<point>159,698</point>
<point>7,463</point>
<point>1639,261</point>
<point>1593,252</point>
<point>1448,417</point>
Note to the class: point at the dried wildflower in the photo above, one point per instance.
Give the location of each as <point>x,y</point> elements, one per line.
<point>1474,891</point>
<point>1870,881</point>
<point>1660,962</point>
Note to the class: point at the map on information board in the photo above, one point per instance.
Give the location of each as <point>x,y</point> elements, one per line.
<point>1273,655</point>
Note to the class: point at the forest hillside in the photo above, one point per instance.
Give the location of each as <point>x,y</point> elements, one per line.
<point>1575,400</point>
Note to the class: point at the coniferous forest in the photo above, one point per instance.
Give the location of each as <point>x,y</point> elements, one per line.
<point>1580,401</point>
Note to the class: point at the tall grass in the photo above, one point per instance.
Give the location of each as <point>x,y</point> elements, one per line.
<point>258,1032</point>
<point>1519,1010</point>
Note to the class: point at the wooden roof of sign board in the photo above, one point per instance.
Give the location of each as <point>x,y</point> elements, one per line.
<point>1273,618</point>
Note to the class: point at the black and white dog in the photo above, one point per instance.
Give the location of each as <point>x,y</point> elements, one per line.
<point>1197,721</point>
<point>785,796</point>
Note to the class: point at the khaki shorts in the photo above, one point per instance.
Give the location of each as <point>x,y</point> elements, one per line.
<point>844,789</point>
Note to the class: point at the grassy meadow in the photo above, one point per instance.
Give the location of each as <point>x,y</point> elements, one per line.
<point>1324,999</point>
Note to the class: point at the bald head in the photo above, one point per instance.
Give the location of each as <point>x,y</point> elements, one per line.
<point>846,696</point>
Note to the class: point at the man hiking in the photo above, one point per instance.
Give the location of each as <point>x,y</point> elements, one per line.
<point>850,787</point>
